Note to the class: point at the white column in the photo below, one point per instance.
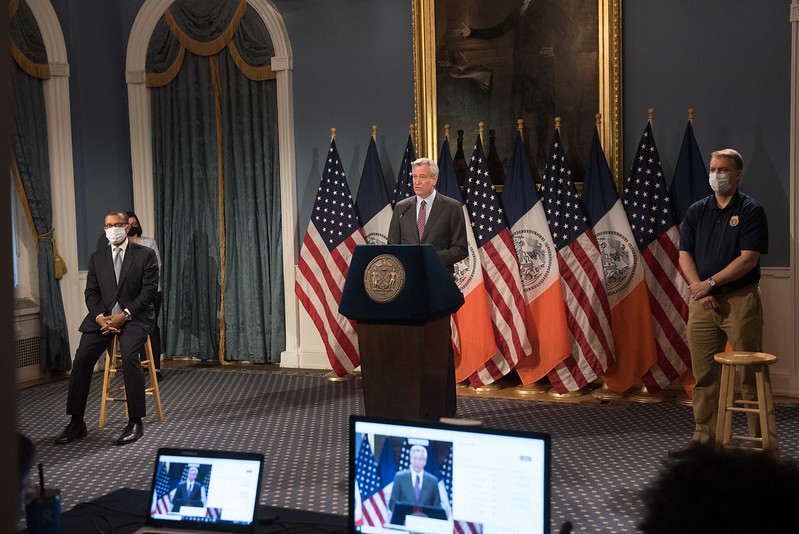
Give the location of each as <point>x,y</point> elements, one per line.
<point>62,178</point>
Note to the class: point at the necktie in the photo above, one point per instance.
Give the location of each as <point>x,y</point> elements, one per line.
<point>117,270</point>
<point>417,488</point>
<point>117,262</point>
<point>420,220</point>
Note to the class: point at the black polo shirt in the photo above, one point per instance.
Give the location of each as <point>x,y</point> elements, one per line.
<point>715,236</point>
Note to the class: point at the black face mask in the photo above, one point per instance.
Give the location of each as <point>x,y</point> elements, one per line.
<point>134,231</point>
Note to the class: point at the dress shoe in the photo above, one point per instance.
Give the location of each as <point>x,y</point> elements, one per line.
<point>687,450</point>
<point>73,432</point>
<point>159,376</point>
<point>132,432</point>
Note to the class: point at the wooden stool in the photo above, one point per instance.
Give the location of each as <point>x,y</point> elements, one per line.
<point>763,405</point>
<point>113,363</point>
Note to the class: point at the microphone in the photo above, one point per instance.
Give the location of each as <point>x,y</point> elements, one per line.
<point>407,207</point>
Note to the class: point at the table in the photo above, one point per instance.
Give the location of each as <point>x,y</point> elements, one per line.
<point>125,510</point>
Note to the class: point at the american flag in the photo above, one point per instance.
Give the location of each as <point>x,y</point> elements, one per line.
<point>580,263</point>
<point>372,202</point>
<point>648,206</point>
<point>404,187</point>
<point>459,526</point>
<point>212,513</point>
<point>333,232</point>
<point>373,498</point>
<point>162,502</point>
<point>500,272</point>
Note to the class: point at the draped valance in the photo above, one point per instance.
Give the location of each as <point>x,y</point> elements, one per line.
<point>204,28</point>
<point>27,45</point>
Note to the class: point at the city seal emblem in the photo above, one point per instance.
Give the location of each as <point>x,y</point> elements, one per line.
<point>619,260</point>
<point>384,278</point>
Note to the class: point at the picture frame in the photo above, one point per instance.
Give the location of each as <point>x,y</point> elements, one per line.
<point>459,77</point>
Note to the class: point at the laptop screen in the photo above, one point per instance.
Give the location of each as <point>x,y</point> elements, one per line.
<point>435,478</point>
<point>205,490</point>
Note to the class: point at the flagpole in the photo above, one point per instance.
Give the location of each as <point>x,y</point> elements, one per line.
<point>552,392</point>
<point>494,386</point>
<point>642,394</point>
<point>683,399</point>
<point>332,376</point>
<point>536,388</point>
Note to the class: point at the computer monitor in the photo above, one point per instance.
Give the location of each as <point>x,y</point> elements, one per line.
<point>204,490</point>
<point>431,477</point>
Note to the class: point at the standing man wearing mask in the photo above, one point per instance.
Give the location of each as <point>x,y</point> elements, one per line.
<point>721,241</point>
<point>120,288</point>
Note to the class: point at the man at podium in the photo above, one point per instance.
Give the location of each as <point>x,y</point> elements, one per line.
<point>415,486</point>
<point>430,217</point>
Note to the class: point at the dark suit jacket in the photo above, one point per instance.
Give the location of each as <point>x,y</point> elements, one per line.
<point>445,228</point>
<point>138,285</point>
<point>402,491</point>
<point>183,498</point>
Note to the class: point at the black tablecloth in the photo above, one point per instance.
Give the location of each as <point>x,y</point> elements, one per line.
<point>123,511</point>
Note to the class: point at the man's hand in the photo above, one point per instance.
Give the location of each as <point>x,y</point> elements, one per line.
<point>699,290</point>
<point>463,32</point>
<point>709,302</point>
<point>111,324</point>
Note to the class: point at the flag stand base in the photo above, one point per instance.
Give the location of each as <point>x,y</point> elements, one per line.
<point>684,400</point>
<point>462,385</point>
<point>644,396</point>
<point>567,395</point>
<point>488,388</point>
<point>333,377</point>
<point>532,389</point>
<point>605,394</point>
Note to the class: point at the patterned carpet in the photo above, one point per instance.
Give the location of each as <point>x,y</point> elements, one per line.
<point>603,454</point>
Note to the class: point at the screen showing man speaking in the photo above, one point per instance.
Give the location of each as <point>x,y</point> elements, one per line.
<point>433,478</point>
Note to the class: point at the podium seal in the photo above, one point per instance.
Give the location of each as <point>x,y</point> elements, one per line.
<point>384,278</point>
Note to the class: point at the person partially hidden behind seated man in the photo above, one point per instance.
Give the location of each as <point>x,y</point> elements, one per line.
<point>120,290</point>
<point>189,493</point>
<point>414,487</point>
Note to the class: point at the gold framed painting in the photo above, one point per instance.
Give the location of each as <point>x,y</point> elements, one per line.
<point>495,61</point>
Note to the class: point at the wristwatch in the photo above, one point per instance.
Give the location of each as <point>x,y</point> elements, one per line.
<point>711,282</point>
<point>128,316</point>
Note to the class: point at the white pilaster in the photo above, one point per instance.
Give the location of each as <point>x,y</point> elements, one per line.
<point>62,178</point>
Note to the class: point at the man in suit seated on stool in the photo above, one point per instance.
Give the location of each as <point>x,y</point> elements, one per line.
<point>120,290</point>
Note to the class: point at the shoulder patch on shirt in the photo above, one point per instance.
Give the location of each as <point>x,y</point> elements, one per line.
<point>734,221</point>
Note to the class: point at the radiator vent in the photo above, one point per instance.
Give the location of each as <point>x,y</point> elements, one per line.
<point>26,340</point>
<point>27,352</point>
<point>25,306</point>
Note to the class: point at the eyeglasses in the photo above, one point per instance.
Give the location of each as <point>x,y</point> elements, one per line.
<point>116,225</point>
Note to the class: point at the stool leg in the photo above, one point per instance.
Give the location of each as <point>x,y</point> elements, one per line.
<point>768,421</point>
<point>109,363</point>
<point>148,349</point>
<point>724,417</point>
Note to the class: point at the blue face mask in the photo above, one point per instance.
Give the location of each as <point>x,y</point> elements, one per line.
<point>720,183</point>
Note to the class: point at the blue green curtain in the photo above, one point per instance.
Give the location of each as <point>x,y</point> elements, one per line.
<point>217,186</point>
<point>31,167</point>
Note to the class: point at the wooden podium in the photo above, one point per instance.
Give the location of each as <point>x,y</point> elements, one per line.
<point>401,297</point>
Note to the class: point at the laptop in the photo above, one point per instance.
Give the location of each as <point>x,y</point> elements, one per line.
<point>434,477</point>
<point>204,491</point>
